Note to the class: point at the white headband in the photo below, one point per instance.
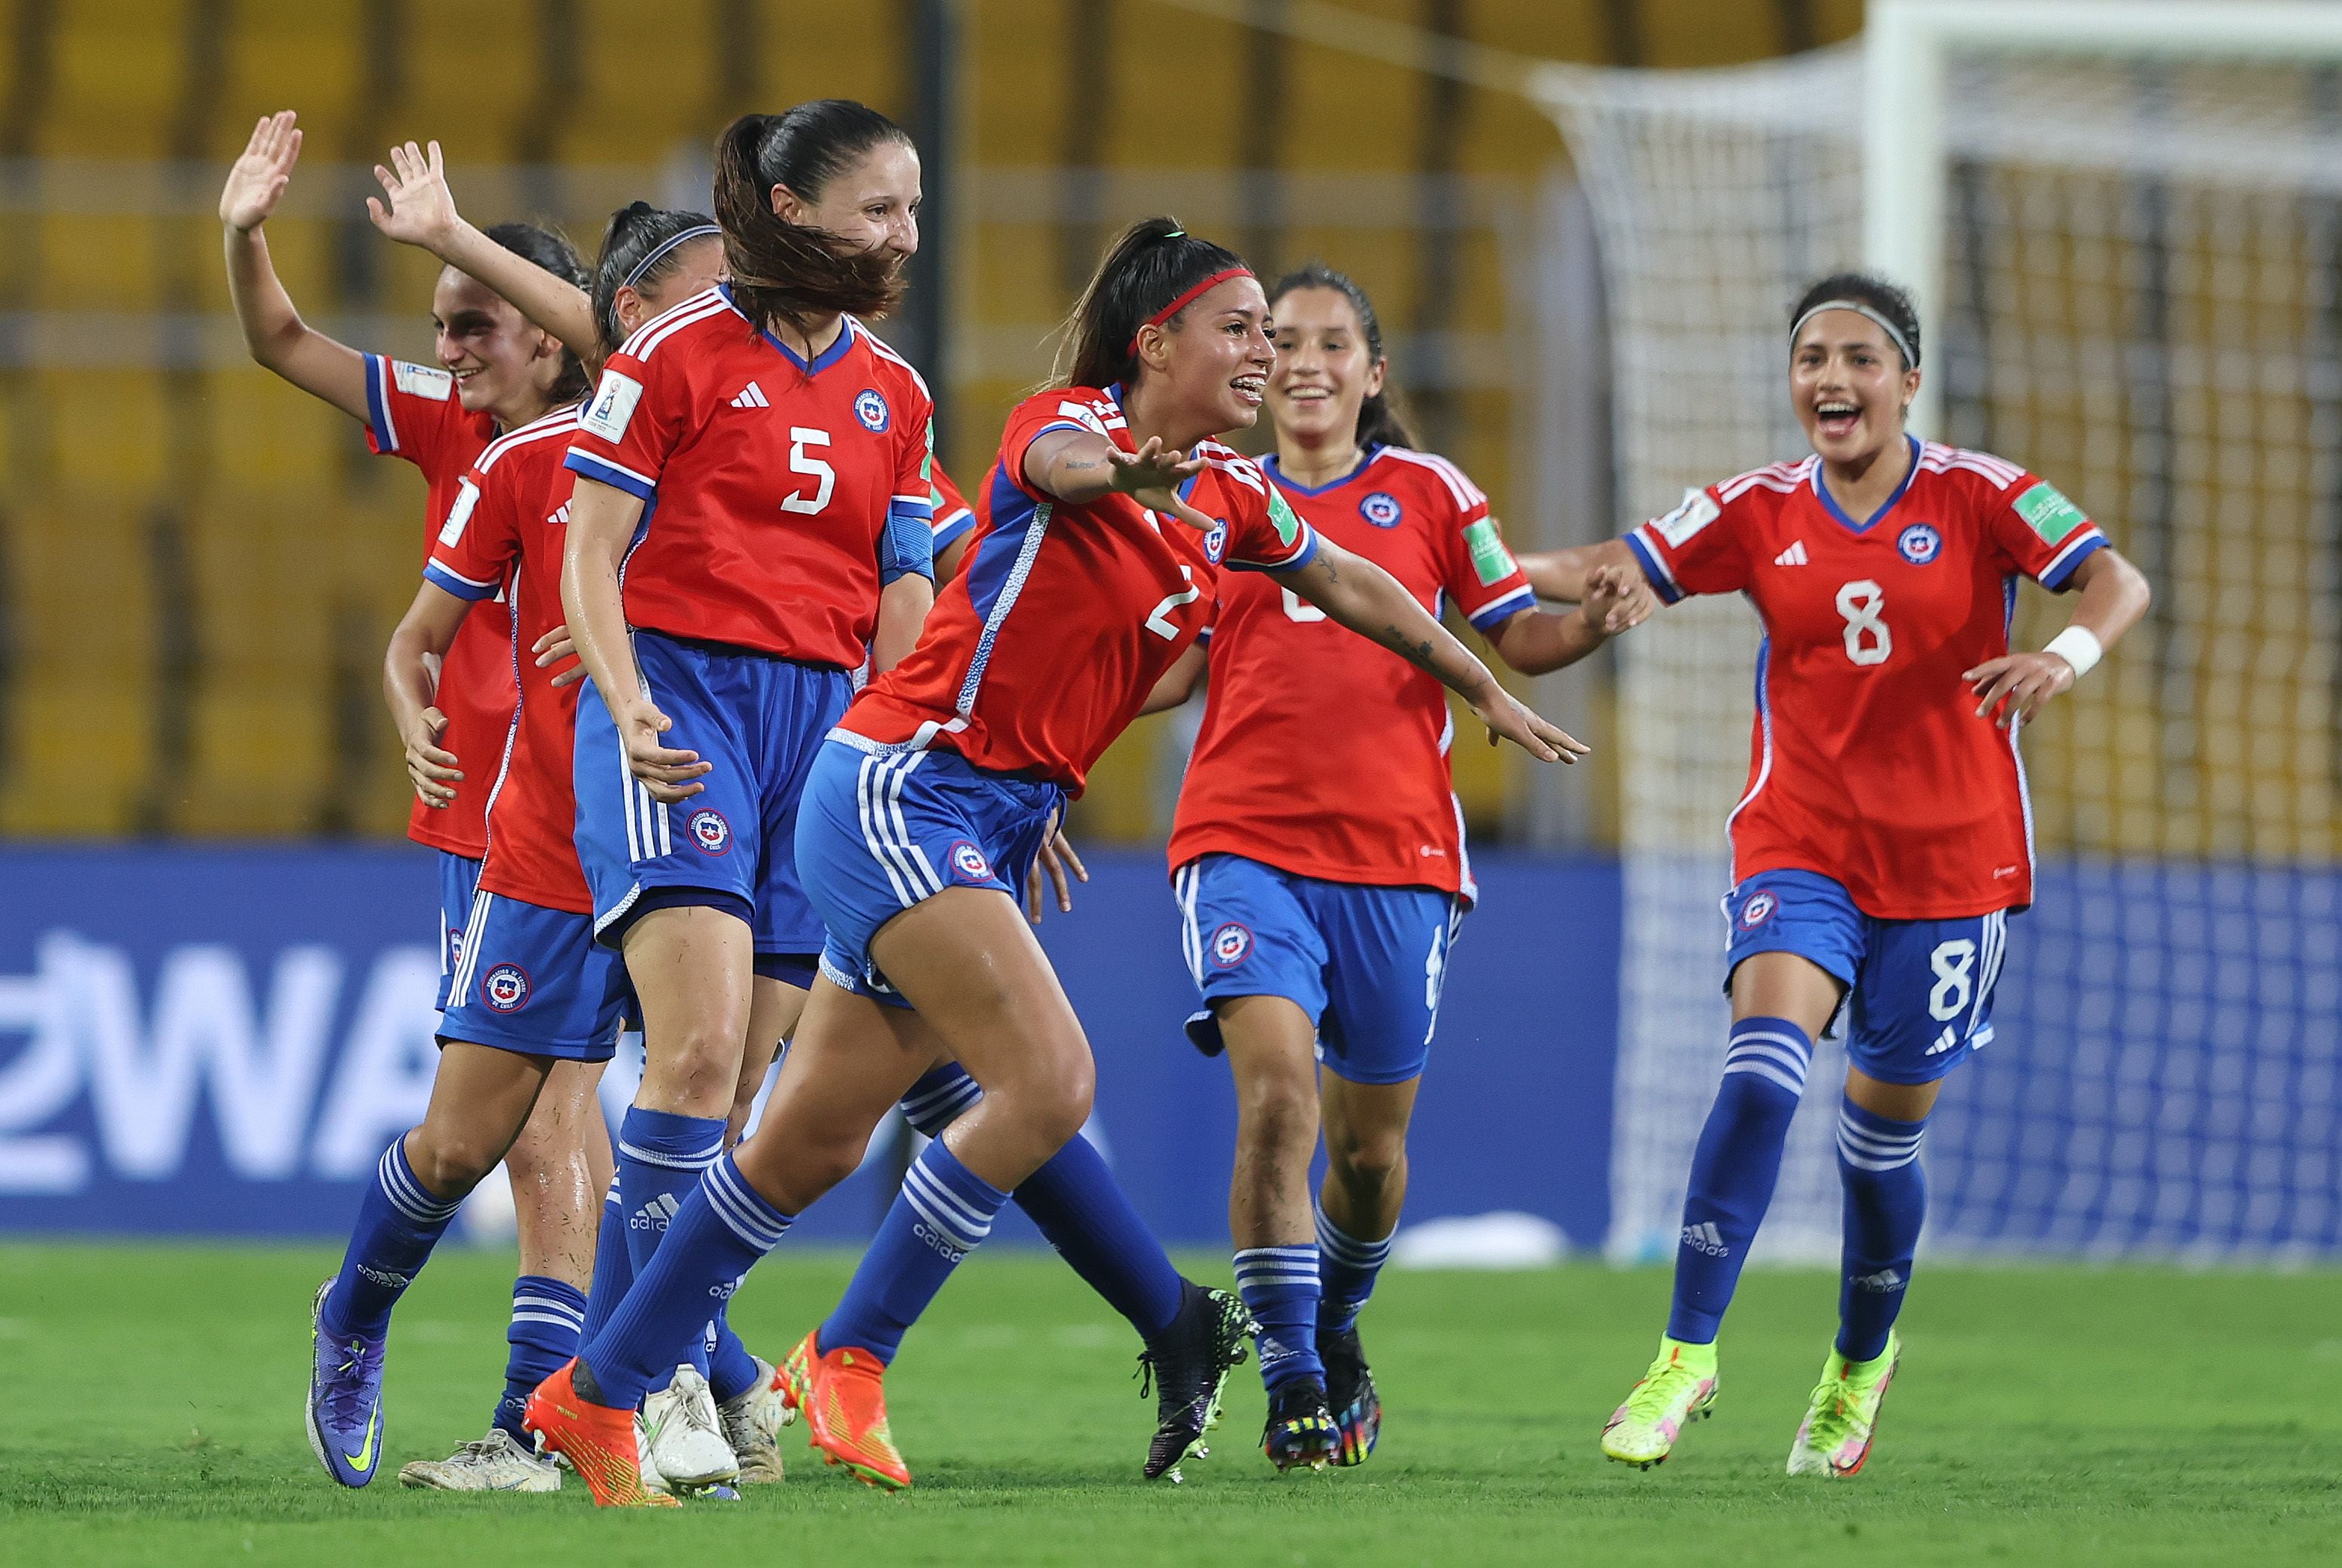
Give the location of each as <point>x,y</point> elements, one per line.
<point>661,249</point>
<point>1894,333</point>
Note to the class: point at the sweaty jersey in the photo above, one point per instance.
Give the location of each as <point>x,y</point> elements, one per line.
<point>777,492</point>
<point>1868,763</point>
<point>1320,754</point>
<point>1062,618</point>
<point>502,542</point>
<point>412,412</point>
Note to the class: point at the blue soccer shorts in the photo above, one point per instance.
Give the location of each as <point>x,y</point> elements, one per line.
<point>1919,992</point>
<point>534,980</point>
<point>759,722</point>
<point>1366,963</point>
<point>459,878</point>
<point>884,829</point>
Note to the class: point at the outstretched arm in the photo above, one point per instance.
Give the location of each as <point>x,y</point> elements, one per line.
<point>1561,575</point>
<point>1370,602</point>
<point>2010,690</point>
<point>422,213</point>
<point>274,331</point>
<point>1612,599</point>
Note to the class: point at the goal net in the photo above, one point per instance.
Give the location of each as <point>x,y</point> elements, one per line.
<point>2141,299</point>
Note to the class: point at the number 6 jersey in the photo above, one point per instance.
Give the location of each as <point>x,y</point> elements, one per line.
<point>779,496</point>
<point>1868,763</point>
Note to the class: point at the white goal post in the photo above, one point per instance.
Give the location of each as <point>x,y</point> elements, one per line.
<point>1905,44</point>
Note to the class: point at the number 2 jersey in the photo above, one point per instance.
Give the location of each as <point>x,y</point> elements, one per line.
<point>1320,754</point>
<point>779,494</point>
<point>412,412</point>
<point>502,545</point>
<point>1868,763</point>
<point>1044,647</point>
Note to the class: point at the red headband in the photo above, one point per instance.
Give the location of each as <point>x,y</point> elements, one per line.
<point>1188,298</point>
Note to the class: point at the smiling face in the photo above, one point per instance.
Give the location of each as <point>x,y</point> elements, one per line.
<point>698,267</point>
<point>874,205</point>
<point>1213,358</point>
<point>504,366</point>
<point>1325,371</point>
<point>1849,386</point>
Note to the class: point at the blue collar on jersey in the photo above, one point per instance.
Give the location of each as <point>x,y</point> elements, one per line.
<point>1366,459</point>
<point>1829,502</point>
<point>821,362</point>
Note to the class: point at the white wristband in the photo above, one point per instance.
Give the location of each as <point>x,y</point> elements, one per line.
<point>2079,647</point>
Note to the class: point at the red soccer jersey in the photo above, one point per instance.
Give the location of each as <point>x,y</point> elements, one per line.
<point>503,543</point>
<point>1044,647</point>
<point>768,481</point>
<point>412,412</point>
<point>1320,754</point>
<point>1868,763</point>
<point>953,517</point>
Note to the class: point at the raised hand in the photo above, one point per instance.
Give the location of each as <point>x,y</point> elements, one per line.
<point>1509,719</point>
<point>1152,476</point>
<point>258,178</point>
<point>422,210</point>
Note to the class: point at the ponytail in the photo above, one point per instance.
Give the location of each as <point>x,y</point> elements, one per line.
<point>1380,424</point>
<point>1154,266</point>
<point>790,272</point>
<point>548,251</point>
<point>642,246</point>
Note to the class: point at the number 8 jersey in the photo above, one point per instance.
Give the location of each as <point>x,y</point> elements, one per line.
<point>778,494</point>
<point>1868,763</point>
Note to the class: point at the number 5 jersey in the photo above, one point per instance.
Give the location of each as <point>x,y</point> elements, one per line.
<point>1868,763</point>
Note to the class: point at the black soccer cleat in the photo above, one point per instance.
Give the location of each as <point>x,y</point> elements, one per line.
<point>1188,1365</point>
<point>1350,1394</point>
<point>1300,1434</point>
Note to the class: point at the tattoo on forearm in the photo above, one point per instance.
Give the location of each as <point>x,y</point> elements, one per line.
<point>1418,654</point>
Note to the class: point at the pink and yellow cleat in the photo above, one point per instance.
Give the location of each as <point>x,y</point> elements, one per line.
<point>1843,1417</point>
<point>1678,1389</point>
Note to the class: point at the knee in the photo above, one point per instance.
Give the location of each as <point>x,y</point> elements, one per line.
<point>696,1067</point>
<point>449,1163</point>
<point>1278,1111</point>
<point>1051,1101</point>
<point>1366,1161</point>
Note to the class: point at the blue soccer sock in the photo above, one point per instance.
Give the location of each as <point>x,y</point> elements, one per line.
<point>1734,1169</point>
<point>1279,1286</point>
<point>731,1370</point>
<point>1886,1205</point>
<point>942,1214</point>
<point>718,1234</point>
<point>1078,1207</point>
<point>546,1318</point>
<point>399,1222</point>
<point>614,1265</point>
<point>1346,1268</point>
<point>660,1157</point>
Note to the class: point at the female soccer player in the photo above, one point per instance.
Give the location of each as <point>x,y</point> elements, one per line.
<point>1318,914</point>
<point>1885,837</point>
<point>926,804</point>
<point>496,372</point>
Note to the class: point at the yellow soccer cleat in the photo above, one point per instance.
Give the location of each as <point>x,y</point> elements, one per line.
<point>1834,1437</point>
<point>1678,1389</point>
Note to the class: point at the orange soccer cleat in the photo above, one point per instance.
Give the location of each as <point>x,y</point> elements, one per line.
<point>843,1398</point>
<point>598,1442</point>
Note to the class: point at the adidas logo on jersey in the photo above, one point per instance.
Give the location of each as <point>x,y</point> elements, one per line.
<point>1794,556</point>
<point>1704,1237</point>
<point>751,396</point>
<point>655,1214</point>
<point>560,519</point>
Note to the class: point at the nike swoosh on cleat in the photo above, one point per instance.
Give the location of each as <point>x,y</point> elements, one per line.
<point>363,1460</point>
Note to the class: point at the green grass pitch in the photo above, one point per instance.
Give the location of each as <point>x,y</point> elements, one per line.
<point>2043,1416</point>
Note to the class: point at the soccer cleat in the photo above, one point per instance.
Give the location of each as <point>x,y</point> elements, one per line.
<point>1678,1389</point>
<point>753,1421</point>
<point>686,1436</point>
<point>492,1463</point>
<point>1188,1365</point>
<point>1350,1394</point>
<point>1843,1417</point>
<point>1300,1434</point>
<point>597,1441</point>
<point>345,1413</point>
<point>843,1398</point>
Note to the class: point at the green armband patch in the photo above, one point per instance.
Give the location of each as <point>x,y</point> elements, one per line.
<point>1490,560</point>
<point>1288,526</point>
<point>2049,514</point>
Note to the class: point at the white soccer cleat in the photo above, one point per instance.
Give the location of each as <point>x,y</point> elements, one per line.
<point>491,1464</point>
<point>686,1436</point>
<point>652,1480</point>
<point>752,1425</point>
